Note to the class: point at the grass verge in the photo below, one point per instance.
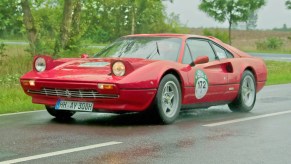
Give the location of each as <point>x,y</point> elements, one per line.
<point>278,72</point>
<point>13,99</point>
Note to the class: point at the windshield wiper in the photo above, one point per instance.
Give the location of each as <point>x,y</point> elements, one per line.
<point>156,51</point>
<point>126,48</point>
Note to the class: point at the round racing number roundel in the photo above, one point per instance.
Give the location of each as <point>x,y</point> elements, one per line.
<point>201,84</point>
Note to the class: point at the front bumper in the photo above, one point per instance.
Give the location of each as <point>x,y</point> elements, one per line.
<point>114,100</point>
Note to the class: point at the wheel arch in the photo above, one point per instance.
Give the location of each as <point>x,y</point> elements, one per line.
<point>252,70</point>
<point>176,74</point>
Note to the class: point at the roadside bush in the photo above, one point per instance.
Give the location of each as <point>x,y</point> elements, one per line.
<point>2,52</point>
<point>222,35</point>
<point>272,43</point>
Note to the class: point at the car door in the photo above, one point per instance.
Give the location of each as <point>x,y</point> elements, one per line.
<point>206,81</point>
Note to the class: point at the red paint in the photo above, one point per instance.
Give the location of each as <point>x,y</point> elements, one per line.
<point>201,60</point>
<point>137,89</point>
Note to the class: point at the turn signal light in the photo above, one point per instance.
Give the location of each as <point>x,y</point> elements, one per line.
<point>28,82</point>
<point>25,82</point>
<point>106,86</point>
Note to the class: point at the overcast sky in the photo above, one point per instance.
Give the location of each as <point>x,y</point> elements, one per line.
<point>273,14</point>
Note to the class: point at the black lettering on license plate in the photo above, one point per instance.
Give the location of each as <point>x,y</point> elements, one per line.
<point>63,104</point>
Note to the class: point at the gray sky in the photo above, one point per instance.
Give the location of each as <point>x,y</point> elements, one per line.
<point>273,14</point>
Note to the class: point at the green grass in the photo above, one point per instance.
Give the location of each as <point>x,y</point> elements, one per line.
<point>278,72</point>
<point>13,99</point>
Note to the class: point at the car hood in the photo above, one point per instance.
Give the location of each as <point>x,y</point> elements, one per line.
<point>89,69</point>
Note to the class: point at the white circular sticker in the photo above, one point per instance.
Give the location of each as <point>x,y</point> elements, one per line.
<point>201,84</point>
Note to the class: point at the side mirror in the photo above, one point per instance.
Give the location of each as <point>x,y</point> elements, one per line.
<point>200,60</point>
<point>84,56</point>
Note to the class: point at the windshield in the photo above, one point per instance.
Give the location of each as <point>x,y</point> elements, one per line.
<point>156,48</point>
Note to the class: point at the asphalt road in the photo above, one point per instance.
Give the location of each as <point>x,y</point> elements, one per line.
<point>213,135</point>
<point>276,57</point>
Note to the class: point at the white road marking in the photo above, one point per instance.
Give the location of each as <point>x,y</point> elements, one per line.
<point>60,152</point>
<point>10,114</point>
<point>246,119</point>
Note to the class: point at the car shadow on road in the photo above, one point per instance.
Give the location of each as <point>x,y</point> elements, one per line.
<point>217,113</point>
<point>133,119</point>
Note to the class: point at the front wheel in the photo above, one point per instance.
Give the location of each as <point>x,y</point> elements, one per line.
<point>246,98</point>
<point>59,114</point>
<point>168,99</point>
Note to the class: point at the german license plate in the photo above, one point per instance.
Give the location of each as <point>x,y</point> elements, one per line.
<point>74,106</point>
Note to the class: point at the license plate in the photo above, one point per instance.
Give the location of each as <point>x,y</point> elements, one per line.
<point>74,106</point>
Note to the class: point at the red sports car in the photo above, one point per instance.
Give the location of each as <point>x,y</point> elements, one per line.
<point>162,73</point>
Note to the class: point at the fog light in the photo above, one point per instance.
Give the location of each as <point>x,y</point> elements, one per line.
<point>106,86</point>
<point>31,82</point>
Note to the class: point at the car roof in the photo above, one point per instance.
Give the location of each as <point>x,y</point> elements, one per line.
<point>167,35</point>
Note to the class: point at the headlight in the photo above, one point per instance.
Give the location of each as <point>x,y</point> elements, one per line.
<point>118,68</point>
<point>40,64</point>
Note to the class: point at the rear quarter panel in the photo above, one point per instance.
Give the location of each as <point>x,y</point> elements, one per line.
<point>256,65</point>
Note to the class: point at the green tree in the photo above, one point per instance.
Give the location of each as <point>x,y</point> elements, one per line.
<point>65,27</point>
<point>288,4</point>
<point>28,21</point>
<point>251,22</point>
<point>55,26</point>
<point>11,18</point>
<point>119,17</point>
<point>233,11</point>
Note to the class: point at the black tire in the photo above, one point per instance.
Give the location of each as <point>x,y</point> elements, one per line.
<point>246,98</point>
<point>59,114</point>
<point>165,100</point>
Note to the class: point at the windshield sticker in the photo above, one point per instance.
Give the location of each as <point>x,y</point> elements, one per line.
<point>94,64</point>
<point>201,84</point>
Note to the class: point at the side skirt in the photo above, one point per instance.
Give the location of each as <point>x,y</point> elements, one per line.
<point>203,105</point>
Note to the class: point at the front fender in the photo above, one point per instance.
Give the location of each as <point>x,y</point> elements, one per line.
<point>150,75</point>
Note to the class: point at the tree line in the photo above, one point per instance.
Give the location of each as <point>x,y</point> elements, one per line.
<point>52,26</point>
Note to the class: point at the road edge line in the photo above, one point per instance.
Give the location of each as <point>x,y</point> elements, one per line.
<point>246,119</point>
<point>16,113</point>
<point>61,152</point>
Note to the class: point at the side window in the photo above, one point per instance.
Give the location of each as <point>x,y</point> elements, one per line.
<point>199,47</point>
<point>219,52</point>
<point>187,58</point>
<point>229,55</point>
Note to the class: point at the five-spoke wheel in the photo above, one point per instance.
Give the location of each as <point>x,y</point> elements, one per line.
<point>168,99</point>
<point>246,98</point>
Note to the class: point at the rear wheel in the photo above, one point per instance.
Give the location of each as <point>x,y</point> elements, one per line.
<point>246,98</point>
<point>168,99</point>
<point>59,114</point>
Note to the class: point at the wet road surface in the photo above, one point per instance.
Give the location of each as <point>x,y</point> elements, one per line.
<point>275,57</point>
<point>214,135</point>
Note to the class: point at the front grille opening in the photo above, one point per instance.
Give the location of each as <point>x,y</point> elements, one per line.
<point>71,93</point>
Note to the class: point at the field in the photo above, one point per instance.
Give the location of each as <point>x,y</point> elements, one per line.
<point>15,61</point>
<point>247,40</point>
